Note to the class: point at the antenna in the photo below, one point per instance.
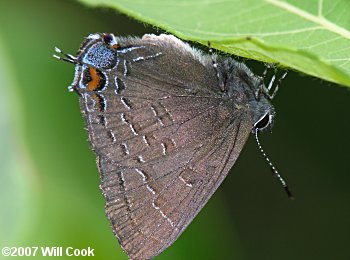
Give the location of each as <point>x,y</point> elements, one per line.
<point>272,167</point>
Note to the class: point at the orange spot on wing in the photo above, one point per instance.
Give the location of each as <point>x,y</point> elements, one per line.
<point>95,80</point>
<point>98,101</point>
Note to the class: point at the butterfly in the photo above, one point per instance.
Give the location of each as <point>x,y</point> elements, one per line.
<point>167,123</point>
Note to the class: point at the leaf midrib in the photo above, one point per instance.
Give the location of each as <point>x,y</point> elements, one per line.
<point>320,20</point>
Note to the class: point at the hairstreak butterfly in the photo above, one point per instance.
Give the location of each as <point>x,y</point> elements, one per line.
<point>167,123</point>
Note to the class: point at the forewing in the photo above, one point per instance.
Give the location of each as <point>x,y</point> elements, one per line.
<point>165,140</point>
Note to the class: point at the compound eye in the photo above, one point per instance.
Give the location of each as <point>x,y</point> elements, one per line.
<point>262,122</point>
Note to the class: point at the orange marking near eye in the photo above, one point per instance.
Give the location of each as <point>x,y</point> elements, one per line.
<point>95,80</point>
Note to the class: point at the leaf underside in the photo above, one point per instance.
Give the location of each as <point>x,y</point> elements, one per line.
<point>309,36</point>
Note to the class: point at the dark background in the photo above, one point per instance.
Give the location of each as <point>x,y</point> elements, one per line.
<point>49,191</point>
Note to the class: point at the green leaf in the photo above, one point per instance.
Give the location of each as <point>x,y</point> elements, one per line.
<point>310,36</point>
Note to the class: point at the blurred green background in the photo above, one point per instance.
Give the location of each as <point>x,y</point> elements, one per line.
<point>49,193</point>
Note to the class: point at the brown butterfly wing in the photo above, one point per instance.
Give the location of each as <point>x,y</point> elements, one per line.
<point>164,142</point>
